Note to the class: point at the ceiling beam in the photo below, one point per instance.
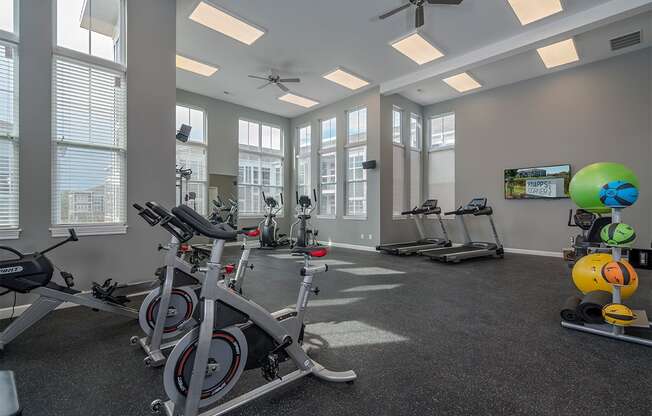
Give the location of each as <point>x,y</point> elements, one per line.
<point>566,26</point>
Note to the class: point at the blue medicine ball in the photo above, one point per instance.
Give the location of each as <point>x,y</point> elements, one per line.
<point>618,194</point>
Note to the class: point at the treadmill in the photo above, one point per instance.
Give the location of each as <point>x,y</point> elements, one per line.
<point>412,247</point>
<point>470,249</point>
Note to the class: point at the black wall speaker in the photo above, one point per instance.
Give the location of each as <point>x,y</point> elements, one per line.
<point>369,164</point>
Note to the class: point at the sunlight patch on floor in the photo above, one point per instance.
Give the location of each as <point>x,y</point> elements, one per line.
<point>371,271</point>
<point>371,288</point>
<point>349,334</point>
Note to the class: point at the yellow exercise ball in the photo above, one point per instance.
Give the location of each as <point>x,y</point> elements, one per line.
<point>587,275</point>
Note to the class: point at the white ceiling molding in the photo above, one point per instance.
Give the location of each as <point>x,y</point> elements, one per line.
<point>567,26</point>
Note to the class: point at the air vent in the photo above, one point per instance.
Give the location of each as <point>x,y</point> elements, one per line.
<point>626,41</point>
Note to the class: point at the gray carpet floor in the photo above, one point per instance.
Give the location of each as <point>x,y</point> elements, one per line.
<point>478,338</point>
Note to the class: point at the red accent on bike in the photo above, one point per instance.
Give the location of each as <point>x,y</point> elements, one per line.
<point>253,233</point>
<point>185,248</point>
<point>320,252</point>
<point>229,268</point>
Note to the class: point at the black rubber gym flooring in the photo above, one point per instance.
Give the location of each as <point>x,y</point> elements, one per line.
<point>478,338</point>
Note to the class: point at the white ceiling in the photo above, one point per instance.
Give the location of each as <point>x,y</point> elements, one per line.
<point>307,38</point>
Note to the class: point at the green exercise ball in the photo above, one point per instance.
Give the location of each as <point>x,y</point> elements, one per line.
<point>586,184</point>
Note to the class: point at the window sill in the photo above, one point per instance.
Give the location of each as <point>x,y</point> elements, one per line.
<point>354,217</point>
<point>88,230</point>
<point>442,148</point>
<point>11,234</point>
<point>326,217</point>
<point>399,218</point>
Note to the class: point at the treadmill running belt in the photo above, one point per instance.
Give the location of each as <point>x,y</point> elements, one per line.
<point>450,250</point>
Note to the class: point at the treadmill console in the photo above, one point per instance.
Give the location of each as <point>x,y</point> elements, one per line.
<point>477,203</point>
<point>430,204</point>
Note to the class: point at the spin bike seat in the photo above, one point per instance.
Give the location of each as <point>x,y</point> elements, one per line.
<point>202,226</point>
<point>311,251</point>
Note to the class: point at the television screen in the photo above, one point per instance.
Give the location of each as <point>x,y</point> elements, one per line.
<point>545,182</point>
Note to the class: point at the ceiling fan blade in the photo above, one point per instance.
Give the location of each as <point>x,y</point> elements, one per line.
<point>264,85</point>
<point>393,12</point>
<point>289,80</point>
<point>445,2</point>
<point>257,77</point>
<point>283,87</point>
<point>420,17</point>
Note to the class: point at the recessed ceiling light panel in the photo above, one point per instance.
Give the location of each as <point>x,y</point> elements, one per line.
<point>529,11</point>
<point>196,67</point>
<point>462,82</point>
<point>298,100</point>
<point>225,23</point>
<point>346,79</point>
<point>416,47</point>
<point>560,53</point>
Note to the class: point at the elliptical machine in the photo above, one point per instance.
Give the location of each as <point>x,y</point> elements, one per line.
<point>589,240</point>
<point>32,273</point>
<point>269,236</point>
<point>208,361</point>
<point>170,310</point>
<point>306,236</point>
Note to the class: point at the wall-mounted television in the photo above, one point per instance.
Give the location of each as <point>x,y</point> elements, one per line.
<point>542,182</point>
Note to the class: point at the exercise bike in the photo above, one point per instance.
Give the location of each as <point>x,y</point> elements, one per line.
<point>32,273</point>
<point>169,310</point>
<point>269,236</point>
<point>306,236</point>
<point>208,361</point>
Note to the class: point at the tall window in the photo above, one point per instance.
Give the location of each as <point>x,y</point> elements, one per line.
<point>9,218</point>
<point>89,115</point>
<point>193,155</point>
<point>356,153</point>
<point>415,160</point>
<point>328,168</point>
<point>441,161</point>
<point>304,135</point>
<point>260,166</point>
<point>398,160</point>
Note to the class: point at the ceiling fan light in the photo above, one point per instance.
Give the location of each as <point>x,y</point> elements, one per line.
<point>346,79</point>
<point>528,11</point>
<point>196,67</point>
<point>225,23</point>
<point>416,47</point>
<point>298,100</point>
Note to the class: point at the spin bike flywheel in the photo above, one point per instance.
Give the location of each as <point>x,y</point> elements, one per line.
<point>226,361</point>
<point>183,301</point>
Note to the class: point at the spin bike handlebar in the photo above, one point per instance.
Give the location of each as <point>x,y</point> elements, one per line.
<point>171,223</point>
<point>147,215</point>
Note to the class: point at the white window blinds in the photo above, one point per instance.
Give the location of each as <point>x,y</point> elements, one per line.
<point>8,136</point>
<point>89,133</point>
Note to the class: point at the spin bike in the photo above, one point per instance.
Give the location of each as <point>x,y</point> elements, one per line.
<point>168,316</point>
<point>32,273</point>
<point>208,361</point>
<point>306,236</point>
<point>269,236</point>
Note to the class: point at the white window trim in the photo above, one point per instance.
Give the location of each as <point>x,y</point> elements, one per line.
<point>321,134</point>
<point>13,37</point>
<point>419,122</point>
<point>347,113</point>
<point>203,145</point>
<point>347,146</point>
<point>260,151</point>
<point>322,152</point>
<point>10,233</point>
<point>355,217</point>
<point>89,230</point>
<point>440,147</point>
<point>398,110</point>
<point>298,141</point>
<point>93,229</point>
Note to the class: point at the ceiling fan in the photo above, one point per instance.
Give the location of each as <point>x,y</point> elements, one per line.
<point>419,4</point>
<point>274,78</point>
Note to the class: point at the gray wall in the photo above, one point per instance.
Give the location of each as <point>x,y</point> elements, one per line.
<point>223,146</point>
<point>395,229</point>
<point>340,229</point>
<point>151,99</point>
<point>597,112</point>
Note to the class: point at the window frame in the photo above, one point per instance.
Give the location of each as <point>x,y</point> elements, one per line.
<point>348,147</point>
<point>260,152</point>
<point>444,146</point>
<point>203,145</point>
<point>59,230</point>
<point>321,134</point>
<point>397,110</point>
<point>327,151</point>
<point>419,151</point>
<point>12,40</point>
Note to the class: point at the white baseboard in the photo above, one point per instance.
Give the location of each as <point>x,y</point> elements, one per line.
<point>347,245</point>
<point>6,313</point>
<point>534,252</point>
